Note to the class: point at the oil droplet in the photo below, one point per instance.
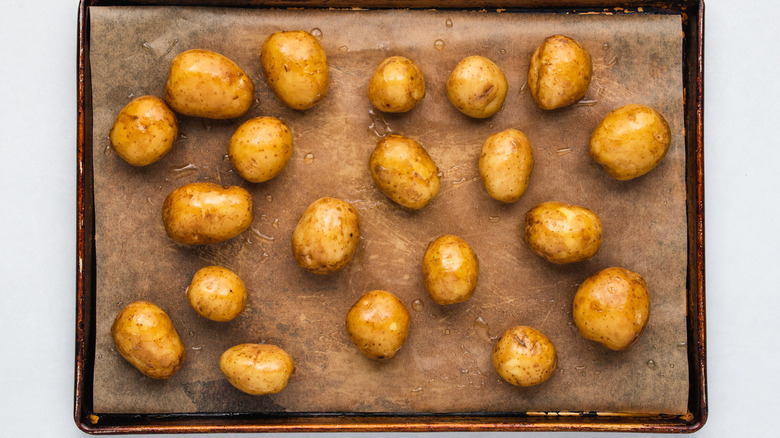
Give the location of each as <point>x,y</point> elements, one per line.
<point>459,182</point>
<point>191,333</point>
<point>682,344</point>
<point>502,51</point>
<point>265,256</point>
<point>316,33</point>
<point>440,174</point>
<point>579,367</point>
<point>378,125</point>
<point>262,236</point>
<point>183,171</point>
<point>173,44</point>
<point>417,391</point>
<point>448,23</point>
<point>149,200</point>
<point>481,327</point>
<point>438,45</point>
<point>447,331</point>
<point>308,158</point>
<point>197,348</point>
<point>562,151</point>
<point>494,219</point>
<point>275,223</point>
<point>107,149</point>
<point>587,102</point>
<point>651,363</point>
<point>671,365</point>
<point>523,87</point>
<point>269,198</point>
<point>417,305</point>
<point>147,46</point>
<point>343,49</point>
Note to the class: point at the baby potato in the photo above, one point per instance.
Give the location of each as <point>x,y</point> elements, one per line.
<point>201,213</point>
<point>143,131</point>
<point>144,335</point>
<point>563,233</point>
<point>217,293</point>
<point>524,356</point>
<point>404,171</point>
<point>260,148</point>
<point>630,141</point>
<point>206,84</point>
<point>505,165</point>
<point>378,324</point>
<point>612,307</point>
<point>257,369</point>
<point>295,68</point>
<point>396,86</point>
<point>559,73</point>
<point>450,270</point>
<point>477,87</point>
<point>326,236</point>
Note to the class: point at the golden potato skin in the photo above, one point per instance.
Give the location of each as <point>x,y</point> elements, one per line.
<point>326,236</point>
<point>202,83</point>
<point>202,213</point>
<point>477,87</point>
<point>257,369</point>
<point>378,324</point>
<point>404,171</point>
<point>144,335</point>
<point>630,141</point>
<point>612,307</point>
<point>563,233</point>
<point>524,356</point>
<point>505,165</point>
<point>450,270</point>
<point>217,293</point>
<point>260,148</point>
<point>396,86</point>
<point>295,68</point>
<point>144,131</point>
<point>559,73</point>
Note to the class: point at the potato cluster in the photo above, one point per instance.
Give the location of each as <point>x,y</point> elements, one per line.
<point>612,307</point>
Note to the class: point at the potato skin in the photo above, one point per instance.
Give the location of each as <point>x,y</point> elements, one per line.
<point>563,233</point>
<point>378,324</point>
<point>260,148</point>
<point>295,68</point>
<point>404,171</point>
<point>559,73</point>
<point>202,213</point>
<point>450,270</point>
<point>144,335</point>
<point>326,236</point>
<point>612,307</point>
<point>505,165</point>
<point>396,86</point>
<point>630,141</point>
<point>217,293</point>
<point>144,131</point>
<point>257,369</point>
<point>477,87</point>
<point>524,356</point>
<point>202,83</point>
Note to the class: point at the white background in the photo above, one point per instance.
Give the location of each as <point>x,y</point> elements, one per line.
<point>38,225</point>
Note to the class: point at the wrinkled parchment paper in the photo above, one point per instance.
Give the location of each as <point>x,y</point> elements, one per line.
<point>445,365</point>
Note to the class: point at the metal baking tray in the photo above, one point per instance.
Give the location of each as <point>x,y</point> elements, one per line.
<point>90,421</point>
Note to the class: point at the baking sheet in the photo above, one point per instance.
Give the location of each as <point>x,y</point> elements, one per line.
<point>445,364</point>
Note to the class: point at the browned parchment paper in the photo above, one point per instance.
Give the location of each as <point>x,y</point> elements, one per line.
<point>445,364</point>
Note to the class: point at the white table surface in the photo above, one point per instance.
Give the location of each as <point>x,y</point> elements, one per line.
<point>38,173</point>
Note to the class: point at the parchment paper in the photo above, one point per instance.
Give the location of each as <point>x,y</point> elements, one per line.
<point>445,365</point>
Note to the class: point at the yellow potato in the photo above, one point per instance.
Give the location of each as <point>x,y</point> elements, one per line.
<point>260,148</point>
<point>505,165</point>
<point>559,73</point>
<point>612,307</point>
<point>201,213</point>
<point>477,87</point>
<point>257,369</point>
<point>524,356</point>
<point>450,270</point>
<point>404,171</point>
<point>206,84</point>
<point>144,131</point>
<point>378,324</point>
<point>217,293</point>
<point>326,236</point>
<point>295,68</point>
<point>396,86</point>
<point>144,335</point>
<point>630,141</point>
<point>563,233</point>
